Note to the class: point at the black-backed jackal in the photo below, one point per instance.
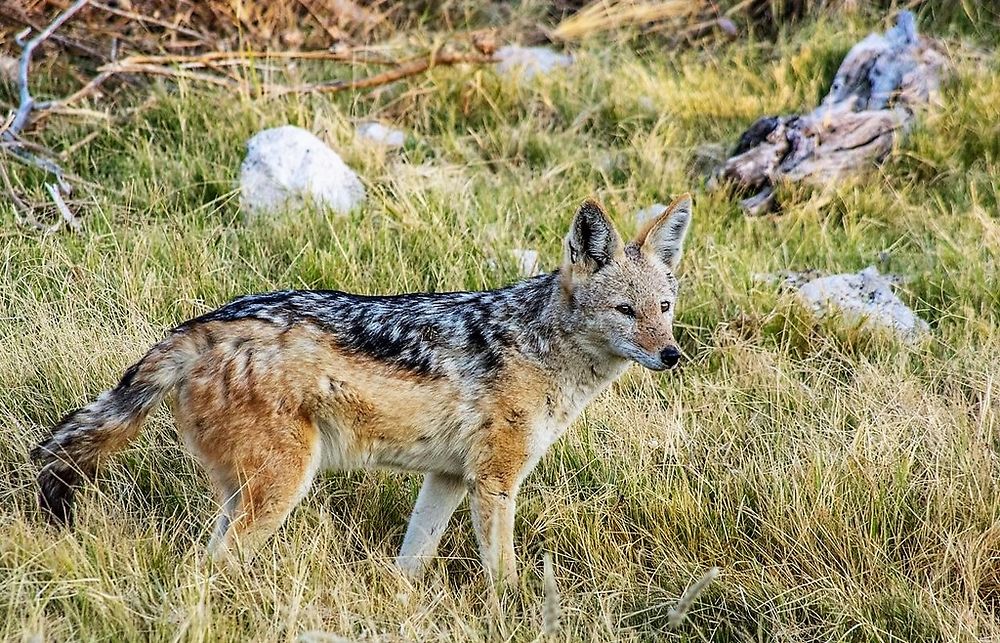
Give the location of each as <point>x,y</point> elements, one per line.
<point>469,388</point>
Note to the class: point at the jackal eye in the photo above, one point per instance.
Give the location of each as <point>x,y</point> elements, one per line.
<point>664,306</point>
<point>625,309</point>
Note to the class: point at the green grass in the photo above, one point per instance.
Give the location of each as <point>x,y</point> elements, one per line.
<point>845,485</point>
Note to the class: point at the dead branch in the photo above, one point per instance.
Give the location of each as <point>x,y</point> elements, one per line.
<point>125,67</point>
<point>181,67</point>
<point>413,67</point>
<point>360,55</point>
<point>27,103</point>
<point>880,86</point>
<point>138,17</point>
<point>67,216</point>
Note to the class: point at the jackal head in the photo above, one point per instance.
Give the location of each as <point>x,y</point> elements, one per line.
<point>623,295</point>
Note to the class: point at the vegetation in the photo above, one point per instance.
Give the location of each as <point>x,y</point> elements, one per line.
<point>845,485</point>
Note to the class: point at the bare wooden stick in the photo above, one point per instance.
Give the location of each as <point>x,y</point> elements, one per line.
<point>184,65</point>
<point>87,89</point>
<point>138,17</point>
<point>67,216</point>
<point>347,54</point>
<point>125,67</point>
<point>27,101</point>
<point>405,70</point>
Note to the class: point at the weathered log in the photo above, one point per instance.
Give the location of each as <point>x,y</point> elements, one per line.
<point>881,83</point>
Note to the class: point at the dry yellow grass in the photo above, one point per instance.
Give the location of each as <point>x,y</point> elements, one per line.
<point>845,486</point>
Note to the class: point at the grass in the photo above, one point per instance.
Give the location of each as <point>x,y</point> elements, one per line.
<point>845,485</point>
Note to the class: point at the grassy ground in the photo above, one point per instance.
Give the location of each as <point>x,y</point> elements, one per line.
<point>845,485</point>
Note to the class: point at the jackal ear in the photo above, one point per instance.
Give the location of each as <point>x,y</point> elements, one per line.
<point>592,240</point>
<point>663,237</point>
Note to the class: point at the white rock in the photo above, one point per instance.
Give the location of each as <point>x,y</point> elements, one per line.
<point>527,262</point>
<point>289,167</point>
<point>529,61</point>
<point>380,134</point>
<point>866,298</point>
<point>653,211</point>
<point>9,68</point>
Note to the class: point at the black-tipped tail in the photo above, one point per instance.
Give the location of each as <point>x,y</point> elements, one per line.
<point>78,444</point>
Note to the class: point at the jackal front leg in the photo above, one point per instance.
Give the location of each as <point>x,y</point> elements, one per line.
<point>493,506</point>
<point>439,496</point>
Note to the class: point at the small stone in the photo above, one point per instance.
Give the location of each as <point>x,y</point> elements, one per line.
<point>530,61</point>
<point>380,134</point>
<point>728,27</point>
<point>527,262</point>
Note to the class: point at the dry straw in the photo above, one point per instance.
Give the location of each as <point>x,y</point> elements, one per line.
<point>679,612</point>
<point>551,609</point>
<point>610,15</point>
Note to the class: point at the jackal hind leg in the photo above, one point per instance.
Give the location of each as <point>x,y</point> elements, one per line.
<point>259,477</point>
<point>439,496</point>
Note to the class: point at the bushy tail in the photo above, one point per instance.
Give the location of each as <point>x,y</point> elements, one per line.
<point>88,435</point>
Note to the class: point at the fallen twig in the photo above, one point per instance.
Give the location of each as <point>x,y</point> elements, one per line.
<point>67,216</point>
<point>138,17</point>
<point>27,103</point>
<point>346,54</point>
<point>183,68</point>
<point>125,67</point>
<point>406,69</point>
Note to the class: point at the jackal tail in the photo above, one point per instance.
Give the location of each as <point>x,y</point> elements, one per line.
<point>85,437</point>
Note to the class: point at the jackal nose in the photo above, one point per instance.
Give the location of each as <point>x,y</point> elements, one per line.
<point>670,356</point>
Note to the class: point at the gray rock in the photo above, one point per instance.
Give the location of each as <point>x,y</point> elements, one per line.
<point>864,298</point>
<point>287,167</point>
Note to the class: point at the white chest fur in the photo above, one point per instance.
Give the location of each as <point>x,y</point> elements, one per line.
<point>573,392</point>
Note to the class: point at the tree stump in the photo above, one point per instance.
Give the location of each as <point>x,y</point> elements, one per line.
<point>882,82</point>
